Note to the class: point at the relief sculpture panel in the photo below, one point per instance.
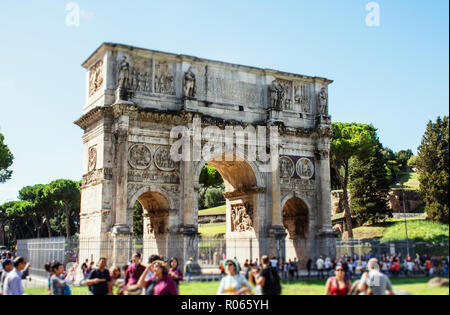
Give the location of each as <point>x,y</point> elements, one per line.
<point>163,161</point>
<point>241,218</point>
<point>164,78</point>
<point>139,156</point>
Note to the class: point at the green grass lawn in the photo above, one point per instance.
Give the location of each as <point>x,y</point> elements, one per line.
<point>410,180</point>
<point>416,286</point>
<point>216,210</point>
<point>212,230</point>
<point>394,230</point>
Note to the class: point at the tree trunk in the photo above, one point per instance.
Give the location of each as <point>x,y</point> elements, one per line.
<point>47,223</point>
<point>343,183</point>
<point>66,213</point>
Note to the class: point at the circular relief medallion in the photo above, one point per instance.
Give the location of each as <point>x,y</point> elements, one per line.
<point>305,168</point>
<point>163,161</point>
<point>287,167</point>
<point>140,156</point>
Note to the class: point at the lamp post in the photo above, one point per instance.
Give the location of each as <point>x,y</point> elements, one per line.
<point>404,217</point>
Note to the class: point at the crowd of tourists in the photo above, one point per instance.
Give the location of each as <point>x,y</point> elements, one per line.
<point>162,277</point>
<point>391,265</point>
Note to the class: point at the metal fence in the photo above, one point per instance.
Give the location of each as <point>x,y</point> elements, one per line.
<point>208,253</point>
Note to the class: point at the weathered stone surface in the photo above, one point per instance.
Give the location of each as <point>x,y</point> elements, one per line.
<point>136,96</point>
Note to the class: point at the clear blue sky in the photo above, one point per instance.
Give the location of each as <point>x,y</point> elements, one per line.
<point>394,76</point>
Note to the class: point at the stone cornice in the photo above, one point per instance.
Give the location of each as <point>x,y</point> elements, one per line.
<point>91,117</point>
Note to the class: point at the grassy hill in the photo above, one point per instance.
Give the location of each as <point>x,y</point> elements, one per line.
<point>410,181</point>
<point>394,230</point>
<point>216,210</point>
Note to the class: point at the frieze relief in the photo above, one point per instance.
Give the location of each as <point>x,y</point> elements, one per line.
<point>302,96</point>
<point>96,78</point>
<point>241,218</point>
<point>280,92</point>
<point>153,176</point>
<point>164,78</point>
<point>296,184</point>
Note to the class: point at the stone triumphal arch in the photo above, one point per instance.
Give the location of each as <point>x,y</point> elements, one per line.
<point>134,100</point>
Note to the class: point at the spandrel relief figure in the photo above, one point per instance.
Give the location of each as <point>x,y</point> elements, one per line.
<point>189,84</point>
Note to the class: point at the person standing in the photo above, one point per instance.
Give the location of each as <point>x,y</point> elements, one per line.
<point>319,265</point>
<point>13,282</point>
<point>99,280</point>
<point>85,269</point>
<point>58,284</point>
<point>253,274</point>
<point>233,283</point>
<point>374,282</point>
<point>134,272</point>
<point>188,269</point>
<point>338,285</point>
<point>268,279</point>
<point>174,271</point>
<point>308,267</point>
<point>7,268</point>
<point>160,283</point>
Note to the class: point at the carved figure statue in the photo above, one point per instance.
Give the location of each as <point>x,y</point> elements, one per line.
<point>189,84</point>
<point>124,73</point>
<point>274,91</point>
<point>323,101</point>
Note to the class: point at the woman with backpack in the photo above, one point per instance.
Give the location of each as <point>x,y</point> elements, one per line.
<point>338,285</point>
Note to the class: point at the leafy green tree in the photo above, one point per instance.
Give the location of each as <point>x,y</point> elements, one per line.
<point>214,197</point>
<point>350,140</point>
<point>66,195</point>
<point>412,162</point>
<point>369,188</point>
<point>42,204</point>
<point>138,222</point>
<point>17,216</point>
<point>6,160</point>
<point>433,169</point>
<point>402,157</point>
<point>209,178</point>
<point>391,164</point>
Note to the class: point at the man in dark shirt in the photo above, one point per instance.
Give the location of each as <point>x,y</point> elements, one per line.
<point>99,280</point>
<point>269,280</point>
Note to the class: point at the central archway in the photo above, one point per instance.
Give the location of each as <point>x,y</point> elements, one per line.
<point>243,197</point>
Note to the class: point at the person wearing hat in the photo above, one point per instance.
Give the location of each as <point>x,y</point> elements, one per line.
<point>233,283</point>
<point>7,267</point>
